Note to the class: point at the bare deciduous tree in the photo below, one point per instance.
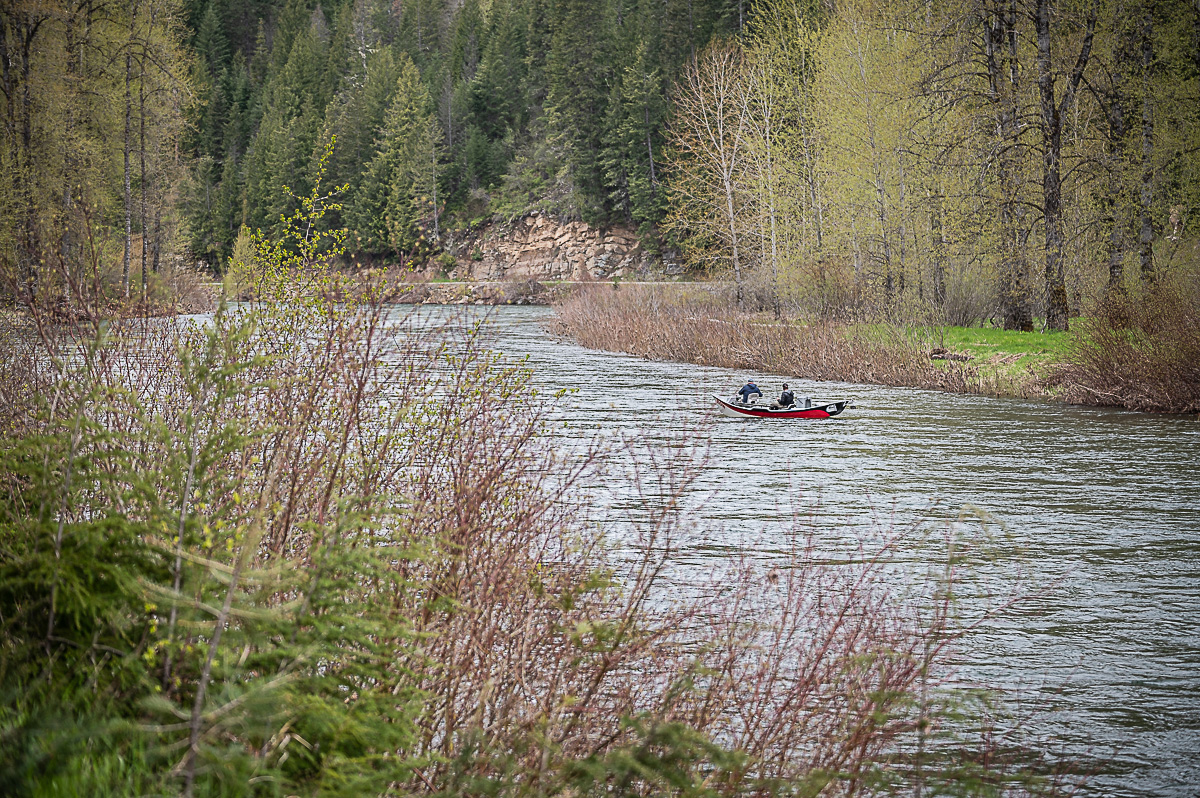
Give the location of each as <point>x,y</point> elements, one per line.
<point>710,139</point>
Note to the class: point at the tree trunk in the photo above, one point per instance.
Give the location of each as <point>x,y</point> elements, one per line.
<point>1115,199</point>
<point>733,238</point>
<point>1146,228</point>
<point>142,155</point>
<point>66,244</point>
<point>814,196</point>
<point>128,187</point>
<point>1057,311</point>
<point>650,150</point>
<point>25,31</point>
<point>939,249</point>
<point>1056,291</point>
<point>1000,45</point>
<point>902,224</point>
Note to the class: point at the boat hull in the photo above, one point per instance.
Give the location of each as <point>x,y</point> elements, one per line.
<point>737,410</point>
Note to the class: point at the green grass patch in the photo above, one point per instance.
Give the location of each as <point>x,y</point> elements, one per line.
<point>1009,362</point>
<point>984,341</point>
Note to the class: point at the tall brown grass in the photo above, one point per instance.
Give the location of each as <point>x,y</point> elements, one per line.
<point>1140,352</point>
<point>662,323</point>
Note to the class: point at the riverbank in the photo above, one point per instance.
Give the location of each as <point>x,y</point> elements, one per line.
<point>492,292</point>
<point>693,327</point>
<point>1084,367</point>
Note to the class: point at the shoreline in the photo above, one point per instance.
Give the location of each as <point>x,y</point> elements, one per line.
<point>956,360</point>
<point>714,335</point>
<point>695,326</point>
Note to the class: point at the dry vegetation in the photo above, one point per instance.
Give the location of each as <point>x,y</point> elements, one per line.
<point>667,324</point>
<point>65,295</point>
<point>1140,352</point>
<point>1137,352</point>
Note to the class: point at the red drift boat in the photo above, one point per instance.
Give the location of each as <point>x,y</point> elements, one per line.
<point>736,409</point>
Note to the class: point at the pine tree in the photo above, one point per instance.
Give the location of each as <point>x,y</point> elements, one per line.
<point>578,70</point>
<point>393,212</point>
<point>633,157</point>
<point>282,152</point>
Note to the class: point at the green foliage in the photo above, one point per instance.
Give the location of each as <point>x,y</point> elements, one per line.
<point>862,195</point>
<point>297,258</point>
<point>92,107</point>
<point>578,70</point>
<point>662,758</point>
<point>283,147</point>
<point>393,211</point>
<point>354,117</point>
<point>633,159</point>
<point>529,105</point>
<point>146,610</point>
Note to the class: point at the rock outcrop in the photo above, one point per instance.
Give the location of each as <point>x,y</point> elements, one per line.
<point>539,248</point>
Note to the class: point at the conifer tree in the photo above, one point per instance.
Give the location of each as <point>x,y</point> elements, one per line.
<point>633,157</point>
<point>394,209</point>
<point>282,152</point>
<point>578,70</point>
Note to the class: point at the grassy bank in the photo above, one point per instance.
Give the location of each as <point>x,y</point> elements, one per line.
<point>1142,355</point>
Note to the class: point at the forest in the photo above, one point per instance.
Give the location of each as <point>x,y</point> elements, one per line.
<point>1002,161</point>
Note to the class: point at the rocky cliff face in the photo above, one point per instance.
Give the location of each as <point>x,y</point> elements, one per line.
<point>540,248</point>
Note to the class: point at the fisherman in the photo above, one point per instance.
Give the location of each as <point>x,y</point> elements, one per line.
<point>786,399</point>
<point>748,390</point>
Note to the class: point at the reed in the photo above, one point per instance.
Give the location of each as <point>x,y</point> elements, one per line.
<point>664,324</point>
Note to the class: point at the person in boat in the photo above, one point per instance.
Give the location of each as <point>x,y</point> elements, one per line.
<point>748,390</point>
<point>786,399</point>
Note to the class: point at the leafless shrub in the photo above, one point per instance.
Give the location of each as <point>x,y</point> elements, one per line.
<point>179,288</point>
<point>523,292</point>
<point>21,375</point>
<point>969,299</point>
<point>411,293</point>
<point>824,289</point>
<point>1137,352</point>
<point>522,643</point>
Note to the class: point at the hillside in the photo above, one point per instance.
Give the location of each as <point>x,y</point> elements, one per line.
<point>958,162</point>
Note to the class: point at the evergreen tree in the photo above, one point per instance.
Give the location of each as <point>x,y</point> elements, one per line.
<point>466,44</point>
<point>394,208</point>
<point>355,117</point>
<point>498,89</point>
<point>633,158</point>
<point>578,71</point>
<point>282,151</point>
<point>211,45</point>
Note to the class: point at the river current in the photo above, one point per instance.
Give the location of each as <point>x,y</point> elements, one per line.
<point>1096,511</point>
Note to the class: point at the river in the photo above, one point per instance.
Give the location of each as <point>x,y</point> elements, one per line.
<point>1097,510</point>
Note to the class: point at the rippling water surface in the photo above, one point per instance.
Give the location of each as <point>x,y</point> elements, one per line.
<point>1098,508</point>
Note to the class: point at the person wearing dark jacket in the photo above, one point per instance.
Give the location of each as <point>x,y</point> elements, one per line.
<point>748,390</point>
<point>786,399</point>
